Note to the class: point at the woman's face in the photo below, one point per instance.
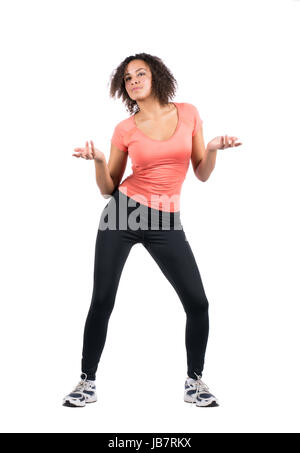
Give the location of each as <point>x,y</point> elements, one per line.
<point>138,80</point>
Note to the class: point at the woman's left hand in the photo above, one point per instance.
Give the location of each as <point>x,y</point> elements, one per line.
<point>222,142</point>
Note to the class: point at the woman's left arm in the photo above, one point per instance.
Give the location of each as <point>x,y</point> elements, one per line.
<point>204,157</point>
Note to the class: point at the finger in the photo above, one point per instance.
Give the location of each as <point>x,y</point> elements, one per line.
<point>235,142</point>
<point>93,148</point>
<point>222,141</point>
<point>228,141</point>
<point>90,151</point>
<point>233,138</point>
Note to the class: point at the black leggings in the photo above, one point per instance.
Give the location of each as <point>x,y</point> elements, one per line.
<point>172,252</point>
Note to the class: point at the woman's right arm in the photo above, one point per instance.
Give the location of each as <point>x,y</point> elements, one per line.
<point>108,175</point>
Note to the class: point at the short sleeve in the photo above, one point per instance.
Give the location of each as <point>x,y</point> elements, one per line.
<point>118,138</point>
<point>197,121</point>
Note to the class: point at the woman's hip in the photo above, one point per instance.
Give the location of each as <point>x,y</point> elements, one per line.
<point>123,212</point>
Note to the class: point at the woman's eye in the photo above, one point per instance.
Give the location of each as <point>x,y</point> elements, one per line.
<point>128,78</point>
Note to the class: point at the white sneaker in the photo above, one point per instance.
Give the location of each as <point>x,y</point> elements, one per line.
<point>84,392</point>
<point>195,391</point>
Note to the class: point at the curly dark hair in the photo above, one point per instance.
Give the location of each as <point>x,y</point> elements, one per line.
<point>163,82</point>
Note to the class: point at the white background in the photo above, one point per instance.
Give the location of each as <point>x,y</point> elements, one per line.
<point>237,62</point>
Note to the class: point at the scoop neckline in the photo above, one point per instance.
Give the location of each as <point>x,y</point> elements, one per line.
<point>168,139</point>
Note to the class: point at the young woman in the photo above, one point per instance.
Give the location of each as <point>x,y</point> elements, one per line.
<point>161,137</point>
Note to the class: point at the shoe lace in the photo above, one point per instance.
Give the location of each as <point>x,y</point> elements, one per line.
<point>82,385</point>
<point>200,385</point>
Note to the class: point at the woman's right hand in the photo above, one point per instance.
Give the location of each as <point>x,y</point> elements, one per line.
<point>89,153</point>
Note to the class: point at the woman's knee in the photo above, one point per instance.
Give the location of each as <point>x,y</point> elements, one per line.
<point>102,302</point>
<point>196,305</point>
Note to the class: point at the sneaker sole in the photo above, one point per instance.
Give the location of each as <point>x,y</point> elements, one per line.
<point>68,404</point>
<point>212,404</point>
<point>192,400</point>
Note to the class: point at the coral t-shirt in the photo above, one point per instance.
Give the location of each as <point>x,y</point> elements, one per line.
<point>159,167</point>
